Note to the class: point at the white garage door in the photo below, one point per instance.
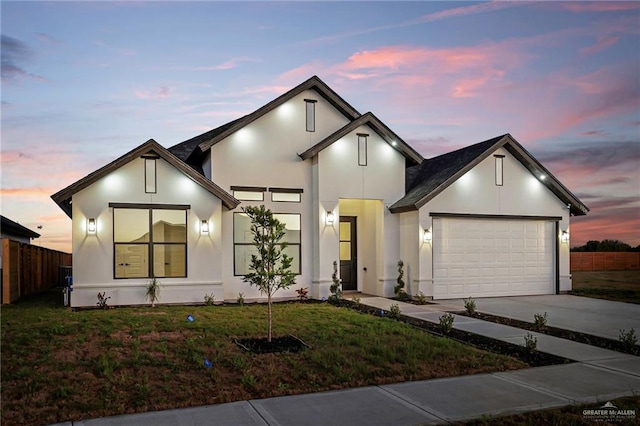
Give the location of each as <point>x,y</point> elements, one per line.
<point>492,257</point>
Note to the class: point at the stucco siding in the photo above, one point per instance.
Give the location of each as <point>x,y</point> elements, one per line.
<point>476,192</point>
<point>93,253</point>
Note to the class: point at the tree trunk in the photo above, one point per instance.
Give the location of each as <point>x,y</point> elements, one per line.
<point>269,317</point>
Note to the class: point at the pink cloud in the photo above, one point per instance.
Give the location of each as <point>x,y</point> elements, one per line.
<point>603,43</point>
<point>161,92</point>
<point>599,6</point>
<point>227,65</point>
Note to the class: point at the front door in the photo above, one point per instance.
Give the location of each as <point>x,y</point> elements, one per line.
<point>348,251</point>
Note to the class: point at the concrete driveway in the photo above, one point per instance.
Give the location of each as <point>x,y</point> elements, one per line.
<point>583,314</point>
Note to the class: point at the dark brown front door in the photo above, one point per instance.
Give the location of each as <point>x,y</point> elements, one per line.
<point>348,253</point>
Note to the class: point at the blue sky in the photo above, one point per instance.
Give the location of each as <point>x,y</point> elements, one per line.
<point>85,82</point>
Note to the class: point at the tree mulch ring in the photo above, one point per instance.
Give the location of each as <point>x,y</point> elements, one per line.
<point>589,339</point>
<point>261,345</point>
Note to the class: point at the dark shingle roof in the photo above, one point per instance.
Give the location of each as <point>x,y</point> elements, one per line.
<point>190,148</point>
<point>434,175</point>
<point>13,228</point>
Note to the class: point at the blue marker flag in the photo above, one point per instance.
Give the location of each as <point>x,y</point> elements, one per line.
<point>207,363</point>
<point>190,318</point>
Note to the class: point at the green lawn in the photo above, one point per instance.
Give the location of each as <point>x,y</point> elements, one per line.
<point>622,286</point>
<point>61,365</point>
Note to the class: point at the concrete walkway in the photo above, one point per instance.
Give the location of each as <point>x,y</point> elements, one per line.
<point>598,317</point>
<point>599,375</point>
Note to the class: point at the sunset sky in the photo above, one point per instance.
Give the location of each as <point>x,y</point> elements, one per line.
<point>85,82</point>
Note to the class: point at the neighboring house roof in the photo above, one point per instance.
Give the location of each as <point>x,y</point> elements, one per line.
<point>378,126</point>
<point>434,175</point>
<point>63,197</point>
<point>10,227</point>
<point>314,83</point>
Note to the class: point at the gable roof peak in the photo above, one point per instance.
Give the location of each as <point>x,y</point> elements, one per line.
<point>64,196</point>
<point>313,82</point>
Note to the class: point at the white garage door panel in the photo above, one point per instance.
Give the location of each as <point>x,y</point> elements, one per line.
<point>492,257</point>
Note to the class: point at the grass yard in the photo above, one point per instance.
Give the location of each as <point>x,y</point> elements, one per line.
<point>60,365</point>
<point>622,286</point>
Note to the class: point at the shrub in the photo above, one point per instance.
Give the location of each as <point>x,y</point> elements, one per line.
<point>446,323</point>
<point>302,293</point>
<point>470,306</point>
<point>394,311</point>
<point>421,298</point>
<point>335,289</point>
<point>530,342</point>
<point>209,299</point>
<point>539,321</point>
<point>102,301</point>
<point>153,291</point>
<point>399,291</point>
<point>240,299</point>
<point>356,301</point>
<point>628,340</point>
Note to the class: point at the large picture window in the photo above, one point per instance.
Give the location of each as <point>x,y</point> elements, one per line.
<point>150,242</point>
<point>243,241</point>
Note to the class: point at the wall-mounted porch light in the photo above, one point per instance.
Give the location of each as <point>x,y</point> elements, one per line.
<point>91,226</point>
<point>427,236</point>
<point>204,227</point>
<point>564,237</point>
<point>329,219</point>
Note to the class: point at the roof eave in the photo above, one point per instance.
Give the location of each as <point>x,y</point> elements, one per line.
<point>312,83</point>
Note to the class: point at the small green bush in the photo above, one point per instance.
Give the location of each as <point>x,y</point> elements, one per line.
<point>530,342</point>
<point>302,293</point>
<point>628,340</point>
<point>539,321</point>
<point>446,323</point>
<point>421,298</point>
<point>356,301</point>
<point>470,306</point>
<point>394,311</point>
<point>153,291</point>
<point>335,288</point>
<point>209,299</point>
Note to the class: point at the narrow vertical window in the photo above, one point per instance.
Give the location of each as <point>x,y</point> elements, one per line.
<point>150,175</point>
<point>362,149</point>
<point>311,114</point>
<point>499,169</point>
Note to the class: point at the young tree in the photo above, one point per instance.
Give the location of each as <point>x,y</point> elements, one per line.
<point>270,267</point>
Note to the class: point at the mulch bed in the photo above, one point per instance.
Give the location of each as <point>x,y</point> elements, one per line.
<point>532,358</point>
<point>575,336</point>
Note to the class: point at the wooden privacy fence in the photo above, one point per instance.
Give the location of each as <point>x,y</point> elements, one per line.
<point>28,269</point>
<point>604,261</point>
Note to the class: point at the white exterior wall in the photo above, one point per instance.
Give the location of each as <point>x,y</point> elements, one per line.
<point>265,154</point>
<point>522,194</point>
<point>340,181</point>
<point>93,263</point>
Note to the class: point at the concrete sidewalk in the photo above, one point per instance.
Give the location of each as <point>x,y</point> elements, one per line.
<point>411,403</point>
<point>599,375</point>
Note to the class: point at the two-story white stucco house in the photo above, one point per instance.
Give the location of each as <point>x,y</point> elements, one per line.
<point>486,220</point>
